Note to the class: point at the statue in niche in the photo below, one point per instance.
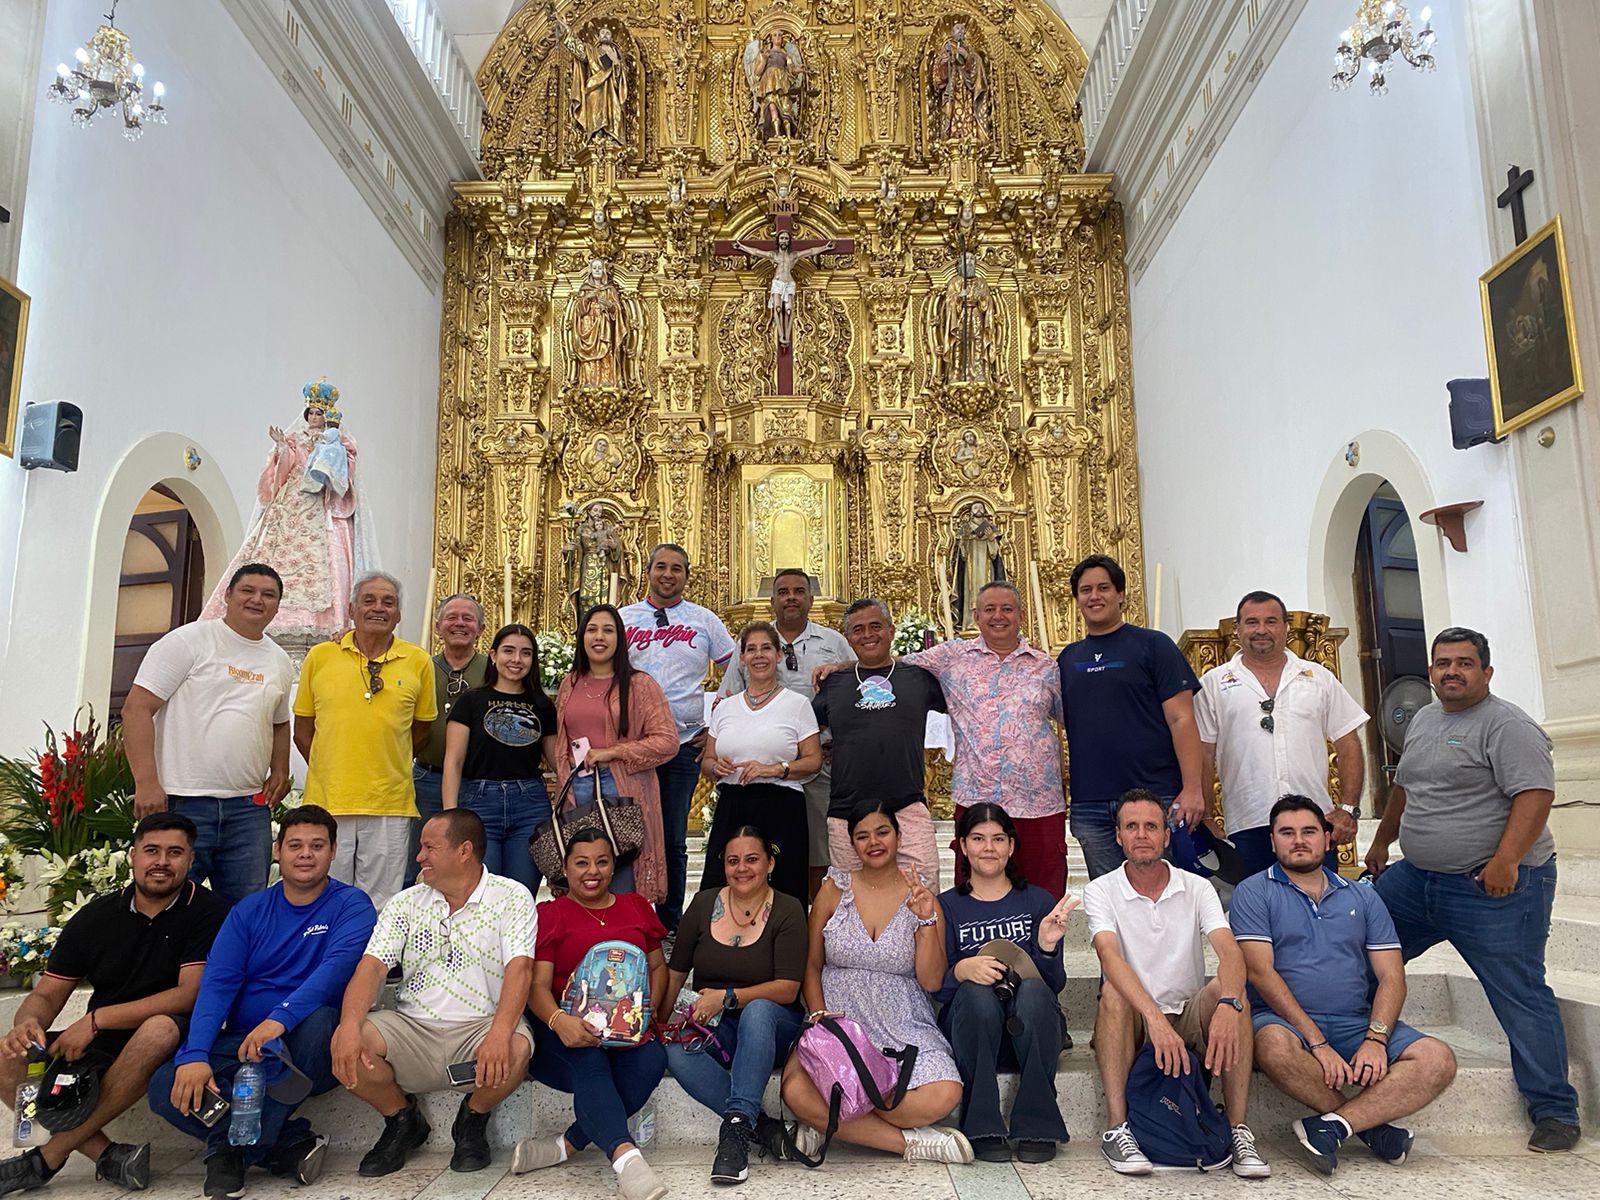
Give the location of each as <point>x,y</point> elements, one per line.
<point>776,75</point>
<point>593,554</point>
<point>599,83</point>
<point>968,456</point>
<point>599,329</point>
<point>975,557</point>
<point>961,88</point>
<point>966,329</point>
<point>601,463</point>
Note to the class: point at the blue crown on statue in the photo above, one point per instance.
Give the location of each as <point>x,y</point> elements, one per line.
<point>320,395</point>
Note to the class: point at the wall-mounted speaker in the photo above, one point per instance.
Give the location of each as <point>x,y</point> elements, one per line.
<point>1471,413</point>
<point>50,436</point>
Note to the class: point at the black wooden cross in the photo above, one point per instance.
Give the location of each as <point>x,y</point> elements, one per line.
<point>1517,182</point>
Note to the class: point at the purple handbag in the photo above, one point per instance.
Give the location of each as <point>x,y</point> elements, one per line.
<point>852,1073</point>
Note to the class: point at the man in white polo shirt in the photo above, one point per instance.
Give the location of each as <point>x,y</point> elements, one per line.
<point>463,940</point>
<point>1148,922</point>
<point>676,641</point>
<point>1266,717</point>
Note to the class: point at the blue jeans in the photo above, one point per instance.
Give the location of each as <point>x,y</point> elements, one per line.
<point>1502,940</point>
<point>583,793</point>
<point>307,1044</point>
<point>678,777</point>
<point>761,1034</point>
<point>1094,824</point>
<point>511,810</point>
<point>429,783</point>
<point>607,1086</point>
<point>232,845</point>
<point>976,1024</point>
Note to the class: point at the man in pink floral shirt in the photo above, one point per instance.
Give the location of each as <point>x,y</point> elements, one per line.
<point>1003,695</point>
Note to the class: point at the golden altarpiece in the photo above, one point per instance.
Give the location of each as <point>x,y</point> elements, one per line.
<point>789,282</point>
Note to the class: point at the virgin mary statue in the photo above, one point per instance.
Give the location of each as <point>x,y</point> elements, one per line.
<point>311,524</point>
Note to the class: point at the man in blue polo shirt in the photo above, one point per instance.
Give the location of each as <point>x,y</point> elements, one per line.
<point>1308,938</point>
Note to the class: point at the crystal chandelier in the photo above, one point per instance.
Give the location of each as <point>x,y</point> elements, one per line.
<point>1381,31</point>
<point>107,77</point>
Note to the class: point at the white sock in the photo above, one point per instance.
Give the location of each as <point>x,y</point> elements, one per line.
<point>625,1159</point>
<point>561,1148</point>
<point>1348,1132</point>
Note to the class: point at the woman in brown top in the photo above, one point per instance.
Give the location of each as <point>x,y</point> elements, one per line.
<point>746,947</point>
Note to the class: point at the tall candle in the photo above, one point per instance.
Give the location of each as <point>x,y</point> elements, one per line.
<point>616,582</point>
<point>507,620</point>
<point>1155,604</point>
<point>426,640</point>
<point>1037,593</point>
<point>944,602</point>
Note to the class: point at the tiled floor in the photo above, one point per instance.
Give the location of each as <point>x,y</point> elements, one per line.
<point>1455,1169</point>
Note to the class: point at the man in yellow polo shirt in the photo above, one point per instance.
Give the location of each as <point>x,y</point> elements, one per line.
<point>363,708</point>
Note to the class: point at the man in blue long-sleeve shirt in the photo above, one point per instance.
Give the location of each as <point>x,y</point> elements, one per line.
<point>274,976</point>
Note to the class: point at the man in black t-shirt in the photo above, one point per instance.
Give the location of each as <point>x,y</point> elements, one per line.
<point>142,950</point>
<point>877,710</point>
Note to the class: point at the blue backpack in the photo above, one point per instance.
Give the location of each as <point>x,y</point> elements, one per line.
<point>1175,1121</point>
<point>610,992</point>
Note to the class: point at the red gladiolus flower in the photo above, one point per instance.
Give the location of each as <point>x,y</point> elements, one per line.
<point>77,798</point>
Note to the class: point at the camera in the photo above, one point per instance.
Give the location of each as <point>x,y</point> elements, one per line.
<point>1005,988</point>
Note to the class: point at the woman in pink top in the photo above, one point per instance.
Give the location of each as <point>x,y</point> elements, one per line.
<point>625,717</point>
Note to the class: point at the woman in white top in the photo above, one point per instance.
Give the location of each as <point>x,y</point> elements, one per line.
<point>761,747</point>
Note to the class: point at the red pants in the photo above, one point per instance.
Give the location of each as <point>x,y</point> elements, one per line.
<point>1041,851</point>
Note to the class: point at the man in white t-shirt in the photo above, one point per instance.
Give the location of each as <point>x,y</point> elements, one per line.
<point>206,729</point>
<point>1266,717</point>
<point>1149,922</point>
<point>676,641</point>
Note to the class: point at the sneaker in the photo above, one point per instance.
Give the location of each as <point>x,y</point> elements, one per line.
<point>124,1165</point>
<point>733,1151</point>
<point>1247,1160</point>
<point>768,1138</point>
<point>1123,1153</point>
<point>470,1132</point>
<point>225,1174</point>
<point>537,1153</point>
<point>1035,1152</point>
<point>1551,1136</point>
<point>24,1173</point>
<point>402,1133</point>
<point>1322,1138</point>
<point>1389,1142</point>
<point>807,1140</point>
<point>991,1149</point>
<point>936,1143</point>
<point>637,1181</point>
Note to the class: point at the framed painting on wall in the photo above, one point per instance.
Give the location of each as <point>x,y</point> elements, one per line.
<point>1528,325</point>
<point>13,333</point>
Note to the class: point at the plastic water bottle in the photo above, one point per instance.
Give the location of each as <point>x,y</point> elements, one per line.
<point>244,1127</point>
<point>642,1125</point>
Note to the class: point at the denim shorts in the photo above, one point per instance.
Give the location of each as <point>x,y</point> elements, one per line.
<point>1344,1033</point>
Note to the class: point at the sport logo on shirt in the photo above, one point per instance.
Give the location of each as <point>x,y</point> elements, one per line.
<point>876,692</point>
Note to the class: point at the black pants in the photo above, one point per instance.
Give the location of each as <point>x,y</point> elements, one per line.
<point>977,1026</point>
<point>780,814</point>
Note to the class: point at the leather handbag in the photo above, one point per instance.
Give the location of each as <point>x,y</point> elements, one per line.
<point>622,820</point>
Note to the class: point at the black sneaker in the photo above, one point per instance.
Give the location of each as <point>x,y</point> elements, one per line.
<point>25,1172</point>
<point>124,1165</point>
<point>769,1138</point>
<point>1035,1152</point>
<point>991,1149</point>
<point>1551,1136</point>
<point>471,1133</point>
<point>1392,1143</point>
<point>225,1174</point>
<point>733,1151</point>
<point>402,1133</point>
<point>302,1161</point>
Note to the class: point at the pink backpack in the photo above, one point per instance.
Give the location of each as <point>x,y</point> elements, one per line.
<point>852,1073</point>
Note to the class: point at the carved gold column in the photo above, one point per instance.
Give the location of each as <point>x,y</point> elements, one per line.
<point>892,449</point>
<point>515,453</point>
<point>888,365</point>
<point>1053,449</point>
<point>1048,369</point>
<point>679,450</point>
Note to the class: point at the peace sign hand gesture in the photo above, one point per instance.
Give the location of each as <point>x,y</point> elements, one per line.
<point>1054,926</point>
<point>919,899</point>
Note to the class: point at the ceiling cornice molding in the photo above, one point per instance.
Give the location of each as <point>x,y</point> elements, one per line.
<point>351,70</point>
<point>1167,80</point>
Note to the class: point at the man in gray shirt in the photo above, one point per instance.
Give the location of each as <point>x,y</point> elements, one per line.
<point>804,646</point>
<point>1471,797</point>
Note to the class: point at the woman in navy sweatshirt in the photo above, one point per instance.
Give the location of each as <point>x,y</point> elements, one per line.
<point>1019,1027</point>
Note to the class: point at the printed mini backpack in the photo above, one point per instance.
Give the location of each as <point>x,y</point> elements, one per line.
<point>610,992</point>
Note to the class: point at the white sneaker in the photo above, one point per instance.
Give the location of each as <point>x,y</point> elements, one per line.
<point>1247,1162</point>
<point>636,1181</point>
<point>1123,1153</point>
<point>536,1153</point>
<point>936,1143</point>
<point>807,1140</point>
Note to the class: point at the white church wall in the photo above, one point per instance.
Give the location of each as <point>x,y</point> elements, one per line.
<point>184,288</point>
<point>1319,287</point>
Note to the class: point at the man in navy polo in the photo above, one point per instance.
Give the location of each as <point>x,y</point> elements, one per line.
<point>1308,938</point>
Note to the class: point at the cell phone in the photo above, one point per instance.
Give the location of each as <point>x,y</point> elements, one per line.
<point>213,1106</point>
<point>461,1074</point>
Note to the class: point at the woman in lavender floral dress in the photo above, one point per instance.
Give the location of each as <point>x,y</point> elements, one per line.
<point>877,948</point>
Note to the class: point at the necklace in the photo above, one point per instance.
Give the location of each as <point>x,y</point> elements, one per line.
<point>754,704</point>
<point>749,913</point>
<point>893,663</point>
<point>592,912</point>
<point>593,693</point>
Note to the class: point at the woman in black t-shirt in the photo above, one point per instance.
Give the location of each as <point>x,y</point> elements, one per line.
<point>497,743</point>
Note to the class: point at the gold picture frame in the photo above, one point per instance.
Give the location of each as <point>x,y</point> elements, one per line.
<point>13,337</point>
<point>1529,330</point>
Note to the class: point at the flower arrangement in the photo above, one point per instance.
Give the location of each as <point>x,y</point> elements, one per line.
<point>911,632</point>
<point>25,950</point>
<point>555,658</point>
<point>12,875</point>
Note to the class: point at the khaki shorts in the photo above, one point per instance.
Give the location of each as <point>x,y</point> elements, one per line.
<point>1187,1024</point>
<point>419,1053</point>
<point>919,848</point>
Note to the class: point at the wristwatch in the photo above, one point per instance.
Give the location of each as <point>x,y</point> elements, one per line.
<point>1232,1002</point>
<point>730,999</point>
<point>785,774</point>
<point>1379,1028</point>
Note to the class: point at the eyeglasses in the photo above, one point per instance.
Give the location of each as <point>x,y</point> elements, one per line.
<point>789,660</point>
<point>374,677</point>
<point>1267,722</point>
<point>661,618</point>
<point>455,684</point>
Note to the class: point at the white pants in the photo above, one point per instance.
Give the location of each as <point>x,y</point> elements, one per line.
<point>372,855</point>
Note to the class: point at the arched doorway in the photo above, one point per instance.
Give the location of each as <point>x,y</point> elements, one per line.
<point>161,586</point>
<point>1391,626</point>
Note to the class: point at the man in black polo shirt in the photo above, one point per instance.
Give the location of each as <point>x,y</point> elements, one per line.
<point>877,710</point>
<point>141,950</point>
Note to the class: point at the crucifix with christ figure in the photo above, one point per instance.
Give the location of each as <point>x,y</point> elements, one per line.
<point>783,251</point>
